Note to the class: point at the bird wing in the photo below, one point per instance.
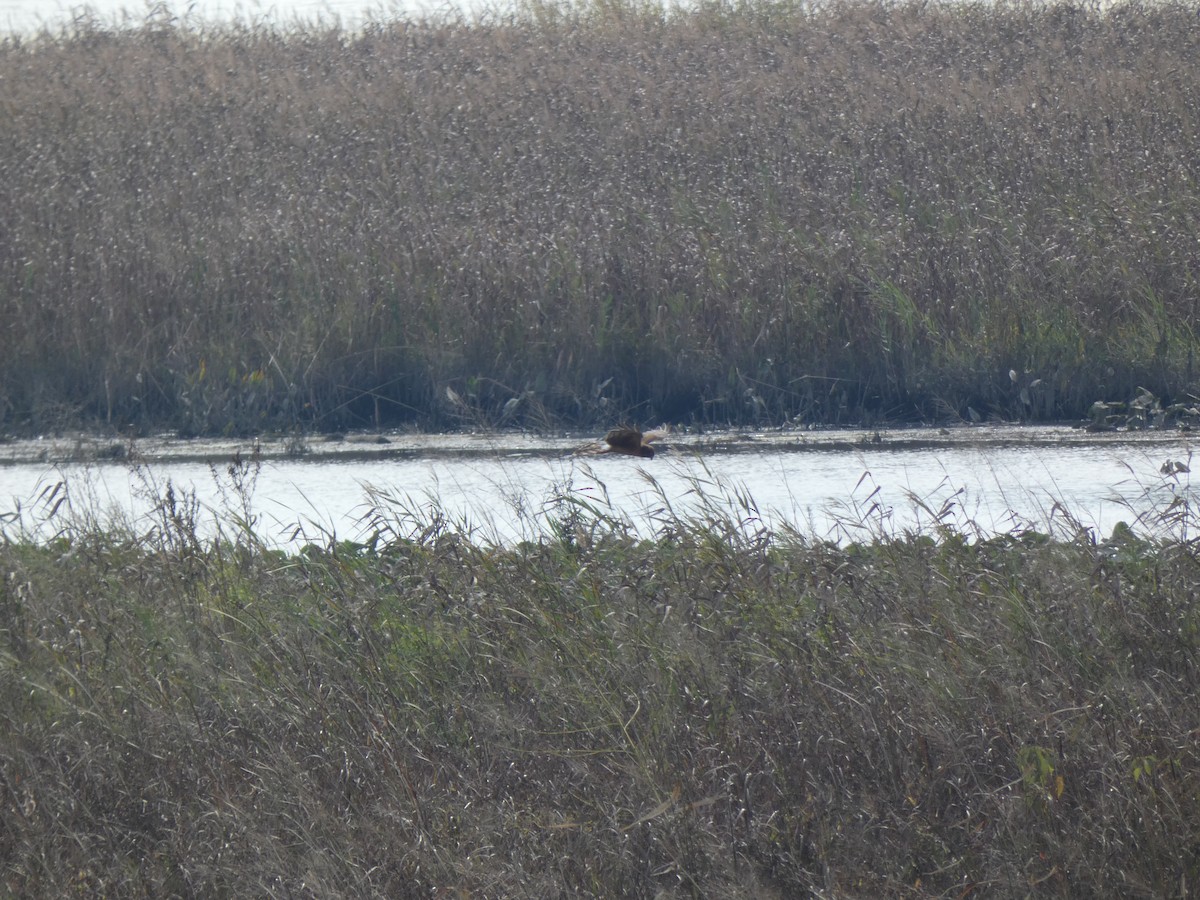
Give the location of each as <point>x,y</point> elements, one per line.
<point>627,439</point>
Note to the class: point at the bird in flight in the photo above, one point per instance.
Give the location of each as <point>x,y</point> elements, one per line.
<point>630,442</point>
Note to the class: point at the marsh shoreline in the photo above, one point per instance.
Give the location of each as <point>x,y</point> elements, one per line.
<point>400,443</point>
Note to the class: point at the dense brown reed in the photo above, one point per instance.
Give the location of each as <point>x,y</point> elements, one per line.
<point>745,212</point>
<point>718,712</point>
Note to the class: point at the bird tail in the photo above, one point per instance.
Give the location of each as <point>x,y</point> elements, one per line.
<point>657,434</point>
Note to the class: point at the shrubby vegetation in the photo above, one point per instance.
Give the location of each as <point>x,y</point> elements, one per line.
<point>734,212</point>
<point>716,711</point>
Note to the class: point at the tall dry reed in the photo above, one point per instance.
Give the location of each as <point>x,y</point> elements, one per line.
<point>738,212</point>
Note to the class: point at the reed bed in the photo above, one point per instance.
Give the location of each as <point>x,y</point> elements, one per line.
<point>717,711</point>
<point>730,212</point>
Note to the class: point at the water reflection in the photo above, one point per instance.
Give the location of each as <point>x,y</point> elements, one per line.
<point>834,494</point>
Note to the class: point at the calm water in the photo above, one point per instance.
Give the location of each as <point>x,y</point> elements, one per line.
<point>836,493</point>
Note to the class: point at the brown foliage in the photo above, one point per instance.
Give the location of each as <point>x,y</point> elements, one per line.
<point>735,213</point>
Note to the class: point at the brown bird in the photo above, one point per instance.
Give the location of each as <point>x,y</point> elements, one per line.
<point>631,442</point>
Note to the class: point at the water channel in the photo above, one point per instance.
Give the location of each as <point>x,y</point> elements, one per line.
<point>505,487</point>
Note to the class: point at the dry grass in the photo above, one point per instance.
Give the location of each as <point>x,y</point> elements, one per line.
<point>742,212</point>
<point>717,712</point>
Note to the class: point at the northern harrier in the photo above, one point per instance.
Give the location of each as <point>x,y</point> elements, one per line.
<point>631,442</point>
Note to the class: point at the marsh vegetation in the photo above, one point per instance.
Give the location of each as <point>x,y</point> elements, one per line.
<point>749,212</point>
<point>716,711</point>
<point>733,212</point>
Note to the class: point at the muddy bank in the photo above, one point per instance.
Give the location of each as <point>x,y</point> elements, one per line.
<point>348,447</point>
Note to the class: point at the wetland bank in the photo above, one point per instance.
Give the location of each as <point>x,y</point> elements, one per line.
<point>767,215</point>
